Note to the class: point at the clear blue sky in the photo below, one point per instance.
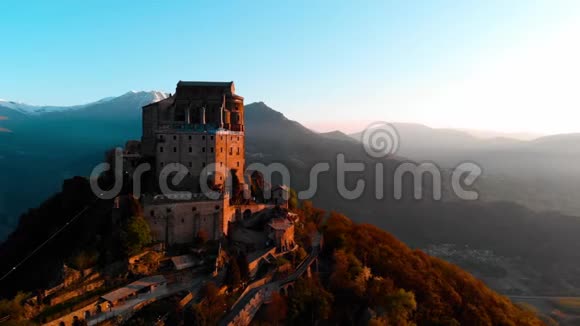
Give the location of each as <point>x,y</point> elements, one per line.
<point>325,63</point>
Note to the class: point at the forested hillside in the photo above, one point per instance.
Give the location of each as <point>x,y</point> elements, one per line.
<point>367,275</point>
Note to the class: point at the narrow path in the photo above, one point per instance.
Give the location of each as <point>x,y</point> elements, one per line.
<point>260,293</point>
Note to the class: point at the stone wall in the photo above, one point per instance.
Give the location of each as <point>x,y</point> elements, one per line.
<point>180,221</point>
<point>246,314</point>
<point>230,156</point>
<point>70,277</point>
<point>196,150</point>
<point>88,287</point>
<point>82,313</point>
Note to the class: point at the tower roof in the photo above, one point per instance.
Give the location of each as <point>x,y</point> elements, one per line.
<point>183,83</point>
<point>225,87</point>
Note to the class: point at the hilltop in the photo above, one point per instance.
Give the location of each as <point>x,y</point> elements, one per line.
<point>366,274</point>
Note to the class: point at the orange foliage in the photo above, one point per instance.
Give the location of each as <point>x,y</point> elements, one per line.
<point>444,293</point>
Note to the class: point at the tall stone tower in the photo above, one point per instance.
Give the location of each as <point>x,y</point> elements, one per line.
<point>201,124</point>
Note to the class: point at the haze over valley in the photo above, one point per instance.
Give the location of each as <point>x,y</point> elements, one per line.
<point>525,221</point>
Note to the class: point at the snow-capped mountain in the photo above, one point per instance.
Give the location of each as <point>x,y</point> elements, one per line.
<point>134,97</point>
<point>145,96</point>
<point>49,143</point>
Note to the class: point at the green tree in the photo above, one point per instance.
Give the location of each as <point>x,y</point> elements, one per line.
<point>292,200</point>
<point>299,255</point>
<point>401,306</point>
<point>15,307</point>
<point>137,235</point>
<point>309,303</point>
<point>85,259</point>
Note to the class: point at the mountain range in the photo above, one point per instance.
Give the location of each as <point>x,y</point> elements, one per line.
<point>49,144</point>
<point>151,96</point>
<point>42,145</point>
<point>541,174</point>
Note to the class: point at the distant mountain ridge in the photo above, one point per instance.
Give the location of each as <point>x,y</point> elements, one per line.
<point>446,137</point>
<point>490,134</point>
<point>49,147</point>
<point>338,135</point>
<point>145,96</point>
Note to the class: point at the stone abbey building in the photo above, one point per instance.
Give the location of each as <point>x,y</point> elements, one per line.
<point>201,127</point>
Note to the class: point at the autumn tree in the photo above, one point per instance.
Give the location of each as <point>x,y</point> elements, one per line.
<point>211,308</point>
<point>15,308</point>
<point>407,286</point>
<point>336,231</point>
<point>313,214</point>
